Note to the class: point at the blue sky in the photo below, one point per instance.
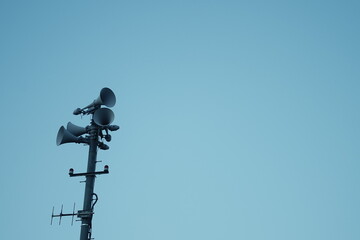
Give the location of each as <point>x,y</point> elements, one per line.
<point>239,119</point>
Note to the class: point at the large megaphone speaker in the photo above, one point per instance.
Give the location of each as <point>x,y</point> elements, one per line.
<point>103,116</point>
<point>75,130</point>
<point>64,136</point>
<point>107,98</point>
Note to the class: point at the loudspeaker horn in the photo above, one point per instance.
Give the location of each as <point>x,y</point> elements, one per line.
<point>64,136</point>
<point>107,98</point>
<point>103,116</point>
<point>75,130</point>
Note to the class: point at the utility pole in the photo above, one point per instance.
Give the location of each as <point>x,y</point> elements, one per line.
<point>95,133</point>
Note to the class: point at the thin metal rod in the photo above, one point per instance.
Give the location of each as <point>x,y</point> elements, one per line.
<point>88,173</point>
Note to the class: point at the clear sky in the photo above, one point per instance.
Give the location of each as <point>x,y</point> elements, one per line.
<point>239,119</point>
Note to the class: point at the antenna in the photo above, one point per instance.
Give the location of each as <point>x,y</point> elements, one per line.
<point>63,214</point>
<point>94,136</point>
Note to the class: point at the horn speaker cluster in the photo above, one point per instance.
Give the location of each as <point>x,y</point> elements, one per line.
<point>102,117</point>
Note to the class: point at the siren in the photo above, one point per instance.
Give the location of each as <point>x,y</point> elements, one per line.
<point>106,97</point>
<point>64,136</point>
<point>75,130</point>
<point>103,116</point>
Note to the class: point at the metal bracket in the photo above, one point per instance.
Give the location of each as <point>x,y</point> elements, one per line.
<point>84,214</point>
<point>88,173</point>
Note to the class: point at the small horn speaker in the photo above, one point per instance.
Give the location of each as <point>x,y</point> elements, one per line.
<point>107,98</point>
<point>103,116</point>
<point>64,136</point>
<point>75,130</point>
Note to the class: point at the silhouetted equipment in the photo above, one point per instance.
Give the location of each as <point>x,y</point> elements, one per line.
<point>113,127</point>
<point>93,136</point>
<point>75,130</point>
<point>65,136</point>
<point>63,214</point>
<point>106,97</point>
<point>72,174</point>
<point>103,116</point>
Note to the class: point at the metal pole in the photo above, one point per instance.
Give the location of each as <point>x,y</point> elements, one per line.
<point>89,187</point>
<point>100,122</point>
